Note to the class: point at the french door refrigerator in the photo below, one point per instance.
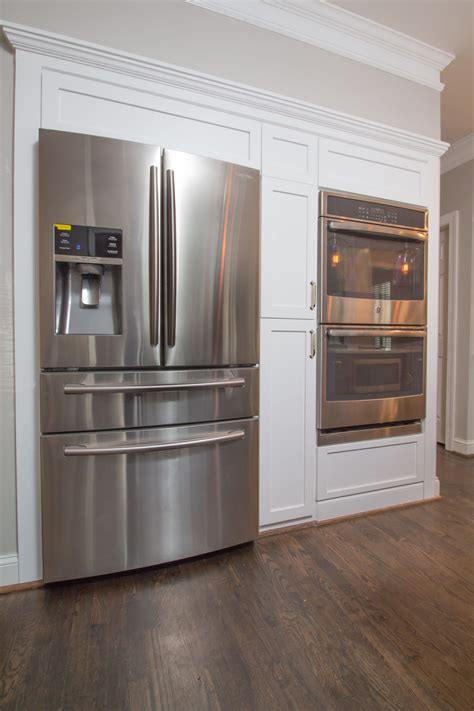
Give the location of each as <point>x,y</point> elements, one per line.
<point>149,312</point>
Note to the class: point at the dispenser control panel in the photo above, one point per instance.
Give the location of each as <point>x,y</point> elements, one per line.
<point>83,241</point>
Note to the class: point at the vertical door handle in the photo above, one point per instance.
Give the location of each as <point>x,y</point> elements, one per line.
<point>154,255</point>
<point>313,343</point>
<point>313,295</point>
<point>171,257</point>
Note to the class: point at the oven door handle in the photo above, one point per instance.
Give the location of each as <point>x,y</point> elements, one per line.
<point>391,332</point>
<point>366,229</point>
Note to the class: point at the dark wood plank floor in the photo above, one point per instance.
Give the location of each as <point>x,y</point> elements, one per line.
<point>374,613</point>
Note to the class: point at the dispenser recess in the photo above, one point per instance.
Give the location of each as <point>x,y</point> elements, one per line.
<point>88,280</point>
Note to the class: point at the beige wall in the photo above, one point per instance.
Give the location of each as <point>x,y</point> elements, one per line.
<point>179,33</point>
<point>457,193</point>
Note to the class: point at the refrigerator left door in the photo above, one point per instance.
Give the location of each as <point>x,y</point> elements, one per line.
<point>99,252</point>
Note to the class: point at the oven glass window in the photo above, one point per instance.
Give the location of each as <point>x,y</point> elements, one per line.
<point>369,367</point>
<point>374,267</point>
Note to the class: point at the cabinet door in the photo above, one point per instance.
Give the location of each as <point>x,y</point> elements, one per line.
<point>288,421</point>
<point>289,154</point>
<point>289,234</point>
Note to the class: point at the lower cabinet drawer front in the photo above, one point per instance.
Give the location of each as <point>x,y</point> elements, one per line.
<point>105,511</point>
<point>359,467</point>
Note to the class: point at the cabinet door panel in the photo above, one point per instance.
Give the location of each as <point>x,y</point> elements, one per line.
<point>370,171</point>
<point>288,421</point>
<point>289,154</point>
<point>289,233</point>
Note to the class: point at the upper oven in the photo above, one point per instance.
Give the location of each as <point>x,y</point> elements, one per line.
<point>373,261</point>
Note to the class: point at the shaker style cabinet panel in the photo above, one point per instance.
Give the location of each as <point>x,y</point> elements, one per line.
<point>84,105</point>
<point>287,421</point>
<point>289,154</point>
<point>354,468</point>
<point>370,171</point>
<point>289,234</point>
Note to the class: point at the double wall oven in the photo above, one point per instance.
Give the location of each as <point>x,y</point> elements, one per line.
<point>372,317</point>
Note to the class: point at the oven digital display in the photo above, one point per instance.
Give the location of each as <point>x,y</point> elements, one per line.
<point>354,208</point>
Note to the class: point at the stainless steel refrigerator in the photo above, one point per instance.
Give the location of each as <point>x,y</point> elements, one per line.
<point>149,312</point>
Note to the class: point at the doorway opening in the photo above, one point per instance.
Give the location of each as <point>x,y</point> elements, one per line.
<point>447,329</point>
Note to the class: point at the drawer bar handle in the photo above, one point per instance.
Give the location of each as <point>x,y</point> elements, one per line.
<point>86,451</point>
<point>82,389</point>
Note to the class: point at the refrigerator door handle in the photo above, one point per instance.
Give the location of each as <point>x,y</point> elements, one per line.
<point>154,255</point>
<point>171,257</point>
<point>83,389</point>
<point>84,450</point>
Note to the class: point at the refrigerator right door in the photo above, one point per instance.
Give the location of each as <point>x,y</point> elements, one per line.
<point>211,262</point>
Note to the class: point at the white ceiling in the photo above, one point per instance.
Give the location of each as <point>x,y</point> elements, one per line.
<point>446,24</point>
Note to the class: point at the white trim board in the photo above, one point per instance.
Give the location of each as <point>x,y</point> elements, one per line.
<point>342,32</point>
<point>212,90</point>
<point>463,446</point>
<point>8,570</point>
<point>458,153</point>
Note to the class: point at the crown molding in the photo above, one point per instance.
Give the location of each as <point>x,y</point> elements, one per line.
<point>342,32</point>
<point>213,89</point>
<point>458,153</point>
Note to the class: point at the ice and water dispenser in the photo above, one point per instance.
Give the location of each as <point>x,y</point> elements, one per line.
<point>88,272</point>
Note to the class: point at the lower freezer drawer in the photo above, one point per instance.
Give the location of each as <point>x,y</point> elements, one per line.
<point>115,501</point>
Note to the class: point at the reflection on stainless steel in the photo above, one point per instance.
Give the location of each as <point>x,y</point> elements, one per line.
<point>216,261</point>
<point>149,308</point>
<point>360,434</point>
<point>376,401</point>
<point>361,261</point>
<point>109,513</point>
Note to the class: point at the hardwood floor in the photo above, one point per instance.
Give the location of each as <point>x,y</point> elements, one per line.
<point>375,613</point>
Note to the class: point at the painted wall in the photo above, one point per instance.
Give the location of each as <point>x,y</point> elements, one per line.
<point>457,193</point>
<point>175,32</point>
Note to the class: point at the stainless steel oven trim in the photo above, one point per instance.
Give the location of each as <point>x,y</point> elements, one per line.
<point>324,193</point>
<point>351,310</point>
<point>354,409</point>
<point>374,229</point>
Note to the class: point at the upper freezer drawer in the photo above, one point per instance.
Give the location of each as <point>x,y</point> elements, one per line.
<point>81,401</point>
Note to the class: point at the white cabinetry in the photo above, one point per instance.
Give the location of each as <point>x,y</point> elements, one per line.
<point>289,154</point>
<point>287,421</point>
<point>289,234</point>
<point>370,171</point>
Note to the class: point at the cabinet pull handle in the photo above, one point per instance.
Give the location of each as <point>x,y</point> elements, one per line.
<point>313,295</point>
<point>313,343</point>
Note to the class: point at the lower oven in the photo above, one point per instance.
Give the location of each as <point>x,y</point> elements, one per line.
<point>370,377</point>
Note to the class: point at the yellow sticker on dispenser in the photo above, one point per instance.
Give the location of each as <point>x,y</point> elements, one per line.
<point>63,227</point>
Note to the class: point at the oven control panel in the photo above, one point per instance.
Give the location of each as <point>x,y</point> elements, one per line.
<point>352,207</point>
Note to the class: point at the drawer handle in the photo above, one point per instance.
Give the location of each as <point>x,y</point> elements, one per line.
<point>82,389</point>
<point>86,451</point>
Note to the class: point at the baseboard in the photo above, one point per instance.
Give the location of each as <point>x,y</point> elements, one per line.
<point>368,501</point>
<point>464,446</point>
<point>9,569</point>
